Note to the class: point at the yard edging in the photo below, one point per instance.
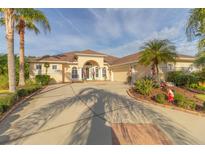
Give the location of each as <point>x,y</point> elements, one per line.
<point>4,115</point>
<point>166,106</point>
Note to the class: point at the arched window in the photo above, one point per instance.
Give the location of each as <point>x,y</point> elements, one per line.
<point>104,72</point>
<point>74,73</point>
<point>97,72</point>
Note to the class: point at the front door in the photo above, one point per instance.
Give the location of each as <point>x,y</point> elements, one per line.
<point>87,73</point>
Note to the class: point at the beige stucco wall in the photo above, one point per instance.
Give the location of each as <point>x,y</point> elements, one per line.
<point>114,73</point>
<point>83,59</point>
<point>56,75</point>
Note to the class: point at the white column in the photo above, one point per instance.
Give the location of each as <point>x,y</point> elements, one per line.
<point>79,73</point>
<point>100,73</point>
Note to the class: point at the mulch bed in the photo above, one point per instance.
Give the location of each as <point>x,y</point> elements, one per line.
<point>188,94</point>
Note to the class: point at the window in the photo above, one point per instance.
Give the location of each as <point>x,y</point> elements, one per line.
<point>74,73</point>
<point>97,72</point>
<point>54,67</point>
<point>38,66</point>
<point>104,72</point>
<point>170,66</point>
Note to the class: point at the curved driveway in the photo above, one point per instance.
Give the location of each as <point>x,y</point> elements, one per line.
<point>97,113</point>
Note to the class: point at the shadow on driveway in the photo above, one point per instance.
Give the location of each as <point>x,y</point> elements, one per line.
<point>93,126</point>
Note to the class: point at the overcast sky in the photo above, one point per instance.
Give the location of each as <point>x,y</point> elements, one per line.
<point>118,32</point>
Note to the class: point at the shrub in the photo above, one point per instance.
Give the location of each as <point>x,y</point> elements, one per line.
<point>182,79</point>
<point>42,79</point>
<point>22,92</point>
<point>204,106</point>
<point>7,101</point>
<point>144,86</point>
<point>27,90</point>
<point>161,98</point>
<point>197,86</point>
<point>30,82</point>
<point>183,102</point>
<point>4,84</point>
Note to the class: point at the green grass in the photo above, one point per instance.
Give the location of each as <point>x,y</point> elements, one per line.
<point>4,92</point>
<point>201,96</point>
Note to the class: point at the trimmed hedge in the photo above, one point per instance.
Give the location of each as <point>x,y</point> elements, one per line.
<point>42,79</point>
<point>182,79</point>
<point>8,100</point>
<point>161,98</point>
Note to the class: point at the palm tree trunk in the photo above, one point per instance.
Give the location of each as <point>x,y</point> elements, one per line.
<point>21,59</point>
<point>9,22</point>
<point>157,74</point>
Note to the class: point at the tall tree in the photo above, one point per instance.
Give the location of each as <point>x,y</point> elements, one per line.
<point>28,19</point>
<point>8,17</point>
<point>155,52</point>
<point>196,29</point>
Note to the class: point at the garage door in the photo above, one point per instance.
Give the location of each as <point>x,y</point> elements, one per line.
<point>120,76</point>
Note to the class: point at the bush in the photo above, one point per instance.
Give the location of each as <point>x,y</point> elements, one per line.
<point>204,106</point>
<point>144,86</point>
<point>197,86</point>
<point>161,98</point>
<point>42,79</point>
<point>4,84</point>
<point>183,102</point>
<point>7,101</point>
<point>27,90</point>
<point>182,79</point>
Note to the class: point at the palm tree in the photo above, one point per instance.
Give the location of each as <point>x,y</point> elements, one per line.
<point>28,19</point>
<point>196,26</point>
<point>196,29</point>
<point>8,17</point>
<point>155,52</point>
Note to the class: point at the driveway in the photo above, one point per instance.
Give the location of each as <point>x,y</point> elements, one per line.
<point>97,113</point>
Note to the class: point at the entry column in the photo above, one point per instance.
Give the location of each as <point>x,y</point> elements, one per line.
<point>100,73</point>
<point>79,73</point>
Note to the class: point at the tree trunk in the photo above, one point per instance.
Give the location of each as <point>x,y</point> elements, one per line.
<point>21,57</point>
<point>157,74</point>
<point>9,22</point>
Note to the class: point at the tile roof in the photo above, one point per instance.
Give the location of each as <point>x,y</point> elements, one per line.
<point>135,56</point>
<point>70,56</point>
<point>127,59</point>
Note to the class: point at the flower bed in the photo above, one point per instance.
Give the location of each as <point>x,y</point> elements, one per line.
<point>183,98</point>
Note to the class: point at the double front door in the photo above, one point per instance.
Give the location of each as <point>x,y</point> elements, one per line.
<point>89,73</point>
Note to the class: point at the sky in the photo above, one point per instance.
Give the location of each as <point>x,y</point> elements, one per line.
<point>118,32</point>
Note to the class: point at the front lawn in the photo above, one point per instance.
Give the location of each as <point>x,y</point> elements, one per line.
<point>201,96</point>
<point>4,92</point>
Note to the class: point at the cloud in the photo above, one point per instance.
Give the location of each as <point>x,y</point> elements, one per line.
<point>174,34</point>
<point>106,23</point>
<point>52,45</point>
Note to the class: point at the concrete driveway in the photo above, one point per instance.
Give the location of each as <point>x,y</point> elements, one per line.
<point>97,113</point>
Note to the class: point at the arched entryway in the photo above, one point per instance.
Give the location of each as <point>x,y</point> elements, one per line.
<point>91,71</point>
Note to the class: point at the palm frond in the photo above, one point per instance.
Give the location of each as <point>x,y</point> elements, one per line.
<point>157,51</point>
<point>196,23</point>
<point>32,18</point>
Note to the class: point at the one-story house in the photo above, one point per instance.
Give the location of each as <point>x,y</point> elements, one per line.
<point>93,65</point>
